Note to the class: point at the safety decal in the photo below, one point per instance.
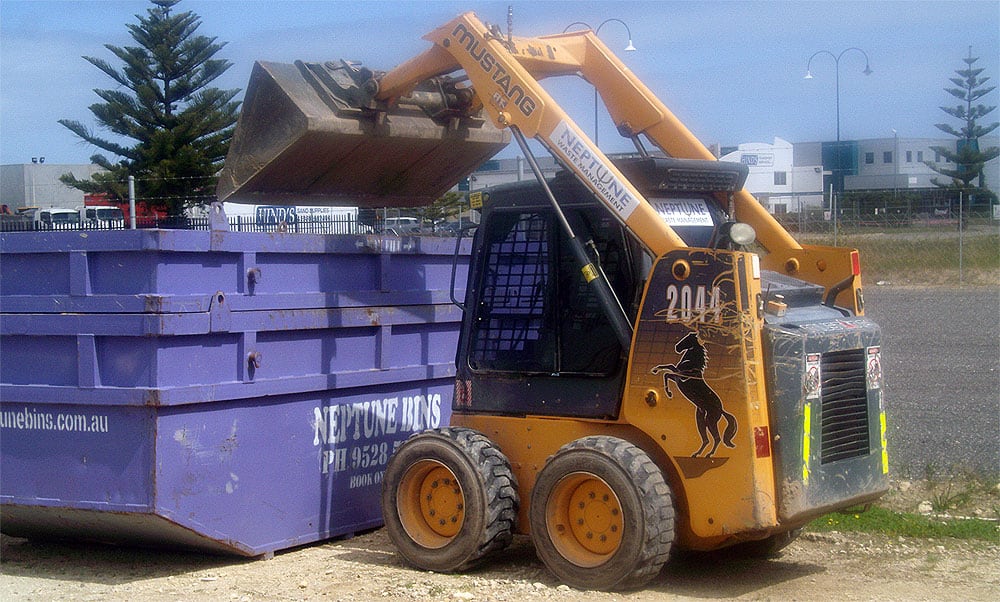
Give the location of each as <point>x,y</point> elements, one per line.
<point>874,368</point>
<point>812,378</point>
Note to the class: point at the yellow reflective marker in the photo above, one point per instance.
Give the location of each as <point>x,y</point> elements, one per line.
<point>806,436</point>
<point>885,447</point>
<point>589,272</point>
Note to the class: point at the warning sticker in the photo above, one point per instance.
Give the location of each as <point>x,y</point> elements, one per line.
<point>812,383</point>
<point>874,368</point>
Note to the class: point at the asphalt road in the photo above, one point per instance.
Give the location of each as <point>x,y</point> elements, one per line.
<point>941,363</point>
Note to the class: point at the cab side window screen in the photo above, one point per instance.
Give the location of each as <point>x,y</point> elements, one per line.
<point>513,316</point>
<point>536,313</point>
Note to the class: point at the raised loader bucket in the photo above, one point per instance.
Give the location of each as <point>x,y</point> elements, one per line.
<point>308,135</point>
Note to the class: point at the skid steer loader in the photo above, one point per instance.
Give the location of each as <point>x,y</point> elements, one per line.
<point>648,361</point>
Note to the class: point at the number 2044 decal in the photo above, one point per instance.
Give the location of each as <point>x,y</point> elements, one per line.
<point>688,303</point>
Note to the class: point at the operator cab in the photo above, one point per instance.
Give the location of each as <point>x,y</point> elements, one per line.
<point>536,339</point>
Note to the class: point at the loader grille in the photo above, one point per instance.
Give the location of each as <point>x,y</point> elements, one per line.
<point>844,413</point>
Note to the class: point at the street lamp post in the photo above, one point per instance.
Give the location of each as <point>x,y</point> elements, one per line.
<point>839,174</point>
<point>597,31</point>
<point>895,171</point>
<point>34,162</point>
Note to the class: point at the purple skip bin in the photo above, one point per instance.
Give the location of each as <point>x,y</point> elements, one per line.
<point>232,392</point>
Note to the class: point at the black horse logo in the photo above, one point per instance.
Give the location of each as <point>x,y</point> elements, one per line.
<point>689,377</point>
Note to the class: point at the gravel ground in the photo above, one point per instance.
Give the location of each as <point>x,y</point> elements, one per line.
<point>828,566</point>
<point>941,356</point>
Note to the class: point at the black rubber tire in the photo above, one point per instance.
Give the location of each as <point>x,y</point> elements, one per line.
<point>485,500</point>
<point>641,512</point>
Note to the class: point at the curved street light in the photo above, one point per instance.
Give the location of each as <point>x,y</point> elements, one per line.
<point>838,177</point>
<point>597,31</point>
<point>836,60</point>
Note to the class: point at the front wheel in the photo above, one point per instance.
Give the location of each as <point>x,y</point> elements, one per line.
<point>601,515</point>
<point>449,498</point>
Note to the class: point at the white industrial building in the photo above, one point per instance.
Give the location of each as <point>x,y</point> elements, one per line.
<point>37,184</point>
<point>778,182</point>
<point>786,176</point>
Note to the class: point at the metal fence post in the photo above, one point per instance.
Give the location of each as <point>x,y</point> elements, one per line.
<point>961,240</point>
<point>131,200</point>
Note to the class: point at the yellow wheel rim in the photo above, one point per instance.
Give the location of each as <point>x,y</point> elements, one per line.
<point>584,519</point>
<point>430,503</point>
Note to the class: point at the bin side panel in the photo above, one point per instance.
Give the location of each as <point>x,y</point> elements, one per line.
<point>187,272</point>
<point>108,270</point>
<point>295,272</point>
<point>270,473</point>
<point>86,457</point>
<point>132,361</point>
<point>303,352</point>
<point>35,274</point>
<point>26,360</point>
<point>430,344</point>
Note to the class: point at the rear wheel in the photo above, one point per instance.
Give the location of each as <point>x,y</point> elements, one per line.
<point>449,498</point>
<point>602,516</point>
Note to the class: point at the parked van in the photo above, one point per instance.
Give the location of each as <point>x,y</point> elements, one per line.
<point>57,218</point>
<point>401,225</point>
<point>105,216</point>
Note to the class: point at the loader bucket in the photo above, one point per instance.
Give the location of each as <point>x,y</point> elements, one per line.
<point>302,139</point>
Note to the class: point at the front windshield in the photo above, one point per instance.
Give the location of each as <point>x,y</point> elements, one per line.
<point>109,214</point>
<point>65,218</point>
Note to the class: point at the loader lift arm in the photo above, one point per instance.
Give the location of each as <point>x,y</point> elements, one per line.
<point>505,73</point>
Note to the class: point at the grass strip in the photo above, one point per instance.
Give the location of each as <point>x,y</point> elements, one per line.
<point>888,522</point>
<point>930,258</point>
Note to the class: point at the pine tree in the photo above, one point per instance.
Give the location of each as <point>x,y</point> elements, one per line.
<point>446,207</point>
<point>180,125</point>
<point>968,159</point>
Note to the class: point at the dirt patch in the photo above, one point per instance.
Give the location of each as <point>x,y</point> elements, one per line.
<point>842,566</point>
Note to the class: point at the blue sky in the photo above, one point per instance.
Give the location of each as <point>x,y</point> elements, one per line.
<point>732,71</point>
